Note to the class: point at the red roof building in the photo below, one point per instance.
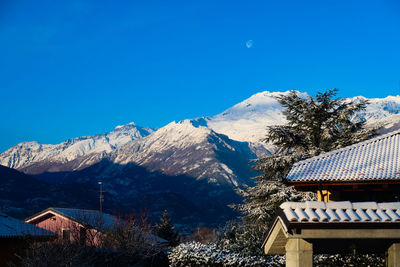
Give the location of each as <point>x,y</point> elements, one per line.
<point>79,225</point>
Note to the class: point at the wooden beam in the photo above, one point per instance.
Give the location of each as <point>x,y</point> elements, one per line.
<point>349,233</point>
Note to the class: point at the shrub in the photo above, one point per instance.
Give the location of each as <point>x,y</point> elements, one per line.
<point>198,254</point>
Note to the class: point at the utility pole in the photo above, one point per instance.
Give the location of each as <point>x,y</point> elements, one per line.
<point>101,197</point>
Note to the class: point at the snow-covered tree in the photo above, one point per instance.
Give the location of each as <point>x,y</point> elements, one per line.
<point>314,125</point>
<point>350,260</point>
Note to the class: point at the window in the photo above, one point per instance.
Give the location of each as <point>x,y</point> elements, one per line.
<point>66,234</point>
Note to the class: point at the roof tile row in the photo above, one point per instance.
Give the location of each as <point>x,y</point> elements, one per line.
<point>344,211</point>
<point>374,159</point>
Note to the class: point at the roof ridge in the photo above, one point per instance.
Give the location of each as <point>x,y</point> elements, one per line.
<point>74,209</point>
<point>82,210</point>
<point>336,151</point>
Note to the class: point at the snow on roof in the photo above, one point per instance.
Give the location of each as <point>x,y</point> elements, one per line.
<point>374,159</point>
<point>94,218</point>
<point>11,227</point>
<point>342,212</point>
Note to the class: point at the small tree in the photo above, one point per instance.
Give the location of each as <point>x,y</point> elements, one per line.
<point>165,229</point>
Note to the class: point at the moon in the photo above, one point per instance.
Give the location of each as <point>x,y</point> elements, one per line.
<point>249,43</point>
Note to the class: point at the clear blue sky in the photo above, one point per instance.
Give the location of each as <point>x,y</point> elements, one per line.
<point>73,68</point>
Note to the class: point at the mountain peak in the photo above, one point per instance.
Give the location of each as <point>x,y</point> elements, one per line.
<point>131,124</point>
<point>35,154</point>
<point>247,120</point>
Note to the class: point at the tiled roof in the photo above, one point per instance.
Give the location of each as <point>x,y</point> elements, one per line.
<point>93,218</point>
<point>342,212</point>
<point>11,227</point>
<point>372,160</point>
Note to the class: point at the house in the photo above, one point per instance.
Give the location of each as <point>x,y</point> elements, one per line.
<point>73,225</point>
<point>366,171</point>
<point>16,235</point>
<point>80,225</point>
<point>358,208</point>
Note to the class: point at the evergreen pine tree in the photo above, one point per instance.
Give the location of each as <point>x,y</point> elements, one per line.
<point>314,126</point>
<point>166,230</point>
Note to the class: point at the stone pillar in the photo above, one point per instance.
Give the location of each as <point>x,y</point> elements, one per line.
<point>299,253</point>
<point>394,255</point>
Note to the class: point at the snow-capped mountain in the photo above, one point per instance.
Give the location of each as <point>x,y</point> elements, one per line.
<point>180,148</point>
<point>186,165</point>
<point>190,148</point>
<point>379,108</point>
<point>89,149</point>
<point>247,121</point>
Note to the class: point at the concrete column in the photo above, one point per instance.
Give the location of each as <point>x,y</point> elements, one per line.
<point>394,255</point>
<point>299,253</point>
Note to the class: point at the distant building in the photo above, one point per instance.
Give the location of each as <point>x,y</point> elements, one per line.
<point>347,218</point>
<point>79,225</point>
<point>16,235</point>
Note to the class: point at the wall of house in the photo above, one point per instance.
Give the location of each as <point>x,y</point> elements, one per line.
<point>78,233</point>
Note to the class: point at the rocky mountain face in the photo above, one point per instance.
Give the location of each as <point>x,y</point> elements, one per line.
<point>132,188</point>
<point>189,148</point>
<point>184,167</point>
<point>189,167</point>
<point>72,154</point>
<point>22,195</point>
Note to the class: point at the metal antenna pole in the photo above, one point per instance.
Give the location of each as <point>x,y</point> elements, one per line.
<point>101,197</point>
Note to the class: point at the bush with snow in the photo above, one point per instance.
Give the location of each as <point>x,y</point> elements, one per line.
<point>198,254</point>
<point>367,260</point>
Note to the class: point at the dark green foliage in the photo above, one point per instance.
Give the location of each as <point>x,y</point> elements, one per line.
<point>166,230</point>
<point>314,125</point>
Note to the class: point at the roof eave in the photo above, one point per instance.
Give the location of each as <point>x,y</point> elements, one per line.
<point>341,182</point>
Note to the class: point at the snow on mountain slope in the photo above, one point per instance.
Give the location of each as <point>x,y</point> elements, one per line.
<point>47,156</point>
<point>379,108</point>
<point>247,121</point>
<point>389,124</point>
<point>198,148</point>
<point>190,148</point>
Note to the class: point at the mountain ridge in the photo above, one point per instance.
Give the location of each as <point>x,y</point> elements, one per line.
<point>28,153</point>
<point>198,161</point>
<point>244,122</point>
